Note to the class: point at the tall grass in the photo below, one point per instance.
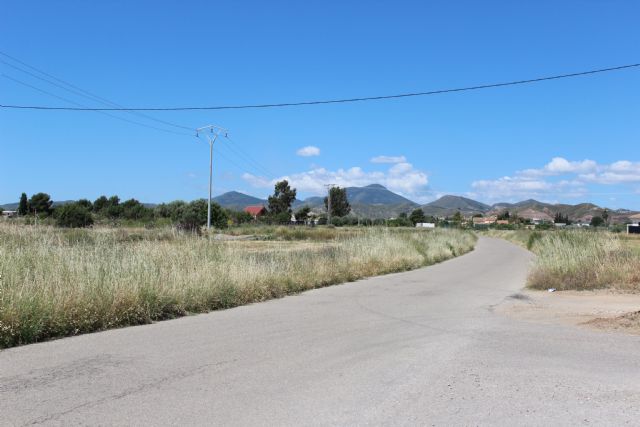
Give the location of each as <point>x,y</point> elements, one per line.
<point>579,259</point>
<point>65,282</point>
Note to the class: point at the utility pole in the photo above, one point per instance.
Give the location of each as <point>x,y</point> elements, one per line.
<point>329,187</point>
<point>212,135</point>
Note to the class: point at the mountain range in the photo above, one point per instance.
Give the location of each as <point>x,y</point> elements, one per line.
<point>376,201</point>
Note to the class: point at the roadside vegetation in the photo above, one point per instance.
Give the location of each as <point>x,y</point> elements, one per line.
<point>58,282</point>
<point>580,259</point>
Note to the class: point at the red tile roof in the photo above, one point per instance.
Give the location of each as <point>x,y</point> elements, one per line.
<point>255,210</point>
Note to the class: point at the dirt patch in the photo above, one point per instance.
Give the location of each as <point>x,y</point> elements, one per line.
<point>629,323</point>
<point>599,309</point>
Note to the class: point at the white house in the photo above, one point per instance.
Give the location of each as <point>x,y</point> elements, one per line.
<point>425,225</point>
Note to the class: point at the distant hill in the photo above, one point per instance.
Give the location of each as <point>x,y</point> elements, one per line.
<point>10,206</point>
<point>449,205</point>
<point>381,210</point>
<point>14,206</point>
<point>579,212</point>
<point>235,200</point>
<point>376,194</point>
<point>372,201</point>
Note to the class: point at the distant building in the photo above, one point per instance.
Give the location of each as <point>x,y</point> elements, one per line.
<point>502,222</point>
<point>633,228</point>
<point>9,214</point>
<point>535,217</point>
<point>255,211</point>
<point>425,225</point>
<point>488,220</point>
<point>581,224</point>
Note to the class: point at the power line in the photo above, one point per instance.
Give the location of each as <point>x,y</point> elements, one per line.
<point>225,155</point>
<point>251,162</point>
<point>77,90</point>
<point>97,111</point>
<point>69,87</point>
<point>330,101</point>
<point>238,151</point>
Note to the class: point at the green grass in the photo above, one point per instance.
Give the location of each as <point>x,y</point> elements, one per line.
<point>58,283</point>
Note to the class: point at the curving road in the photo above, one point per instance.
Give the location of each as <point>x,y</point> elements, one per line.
<point>416,348</point>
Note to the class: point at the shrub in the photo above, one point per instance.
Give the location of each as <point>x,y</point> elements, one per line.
<point>73,215</point>
<point>194,215</point>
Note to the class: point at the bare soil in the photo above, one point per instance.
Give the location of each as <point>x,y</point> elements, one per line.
<point>599,309</point>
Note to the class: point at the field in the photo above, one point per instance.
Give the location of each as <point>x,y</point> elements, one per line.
<point>580,259</point>
<point>632,242</point>
<point>57,282</point>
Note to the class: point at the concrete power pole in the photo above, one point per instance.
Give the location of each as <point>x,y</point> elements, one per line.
<point>329,187</point>
<point>214,132</point>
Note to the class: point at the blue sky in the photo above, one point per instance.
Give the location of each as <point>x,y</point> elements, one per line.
<point>569,141</point>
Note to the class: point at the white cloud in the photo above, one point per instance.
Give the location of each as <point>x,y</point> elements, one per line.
<point>540,182</point>
<point>517,188</point>
<point>389,159</point>
<point>402,178</point>
<point>256,181</point>
<point>620,172</point>
<point>560,166</point>
<point>308,151</point>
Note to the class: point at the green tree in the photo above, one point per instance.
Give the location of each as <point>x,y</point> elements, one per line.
<point>194,216</point>
<point>504,216</point>
<point>172,210</point>
<point>417,216</point>
<point>302,214</point>
<point>113,208</point>
<point>239,218</point>
<point>100,203</point>
<point>283,197</point>
<point>40,203</point>
<point>597,221</point>
<point>281,218</point>
<point>86,204</point>
<point>114,201</point>
<point>457,217</point>
<point>339,203</point>
<point>23,206</point>
<point>134,210</point>
<point>401,221</point>
<point>73,215</point>
<point>605,216</point>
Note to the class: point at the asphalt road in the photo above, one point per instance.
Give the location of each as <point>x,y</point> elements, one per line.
<point>417,348</point>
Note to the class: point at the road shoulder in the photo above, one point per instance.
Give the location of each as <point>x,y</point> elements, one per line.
<point>604,310</point>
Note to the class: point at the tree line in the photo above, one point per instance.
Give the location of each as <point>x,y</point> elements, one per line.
<point>83,213</point>
<point>193,215</point>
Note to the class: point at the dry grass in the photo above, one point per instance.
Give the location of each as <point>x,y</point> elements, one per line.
<point>580,259</point>
<point>631,241</point>
<point>281,232</point>
<point>65,282</point>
